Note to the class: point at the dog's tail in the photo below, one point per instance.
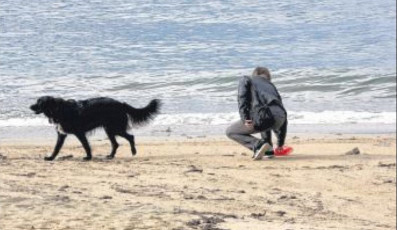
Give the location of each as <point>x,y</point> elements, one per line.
<point>143,115</point>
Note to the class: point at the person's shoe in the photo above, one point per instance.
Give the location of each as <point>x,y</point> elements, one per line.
<point>268,156</point>
<point>257,146</point>
<point>270,153</point>
<point>260,153</point>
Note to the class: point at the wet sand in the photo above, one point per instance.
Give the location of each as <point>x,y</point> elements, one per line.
<point>200,183</point>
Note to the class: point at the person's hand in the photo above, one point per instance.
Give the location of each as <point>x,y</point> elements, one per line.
<point>248,123</point>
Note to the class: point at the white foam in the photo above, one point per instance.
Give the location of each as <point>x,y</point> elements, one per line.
<point>325,117</point>
<point>24,122</point>
<point>342,117</point>
<point>208,119</point>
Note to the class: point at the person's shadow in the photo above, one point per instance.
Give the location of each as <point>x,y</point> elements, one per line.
<point>333,157</point>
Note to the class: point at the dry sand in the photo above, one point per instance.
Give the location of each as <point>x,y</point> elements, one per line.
<point>200,183</point>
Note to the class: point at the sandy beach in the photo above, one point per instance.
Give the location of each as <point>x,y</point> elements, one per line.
<point>200,183</point>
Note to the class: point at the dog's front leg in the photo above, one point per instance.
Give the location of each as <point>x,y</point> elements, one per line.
<point>82,138</point>
<point>58,146</point>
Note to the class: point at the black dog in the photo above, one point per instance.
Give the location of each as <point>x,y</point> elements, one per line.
<point>80,117</point>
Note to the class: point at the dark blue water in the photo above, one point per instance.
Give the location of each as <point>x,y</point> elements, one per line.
<point>324,55</point>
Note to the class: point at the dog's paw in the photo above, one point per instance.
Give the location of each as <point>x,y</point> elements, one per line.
<point>48,158</point>
<point>87,158</point>
<point>109,157</point>
<point>133,150</point>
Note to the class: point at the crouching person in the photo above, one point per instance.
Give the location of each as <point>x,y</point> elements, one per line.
<point>261,111</point>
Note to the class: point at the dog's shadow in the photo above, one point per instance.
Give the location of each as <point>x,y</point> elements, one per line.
<point>97,159</point>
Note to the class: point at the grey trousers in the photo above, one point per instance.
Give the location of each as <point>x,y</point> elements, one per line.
<point>243,134</point>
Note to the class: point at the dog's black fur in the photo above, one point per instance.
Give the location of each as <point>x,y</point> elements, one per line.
<point>80,117</point>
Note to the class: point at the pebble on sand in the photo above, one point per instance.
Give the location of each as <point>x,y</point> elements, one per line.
<point>354,151</point>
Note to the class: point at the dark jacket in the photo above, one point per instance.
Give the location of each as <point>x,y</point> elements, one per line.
<point>267,96</point>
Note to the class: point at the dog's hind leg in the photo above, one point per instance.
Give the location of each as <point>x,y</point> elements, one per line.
<point>83,139</point>
<point>115,145</point>
<point>58,146</point>
<point>130,138</point>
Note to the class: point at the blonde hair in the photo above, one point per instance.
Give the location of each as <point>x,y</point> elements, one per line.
<point>263,72</point>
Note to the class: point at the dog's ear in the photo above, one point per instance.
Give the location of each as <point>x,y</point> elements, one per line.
<point>51,106</point>
<point>45,104</point>
<point>57,105</point>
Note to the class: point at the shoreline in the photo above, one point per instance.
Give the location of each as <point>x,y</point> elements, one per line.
<point>291,138</point>
<point>40,133</point>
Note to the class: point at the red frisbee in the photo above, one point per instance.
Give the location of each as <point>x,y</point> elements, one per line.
<point>283,151</point>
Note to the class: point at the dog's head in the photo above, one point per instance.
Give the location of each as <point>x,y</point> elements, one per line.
<point>47,105</point>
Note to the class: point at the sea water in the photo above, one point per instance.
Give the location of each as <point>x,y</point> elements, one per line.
<point>334,62</point>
